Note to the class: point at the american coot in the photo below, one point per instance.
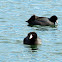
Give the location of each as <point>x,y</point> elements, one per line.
<point>32,39</point>
<point>44,21</point>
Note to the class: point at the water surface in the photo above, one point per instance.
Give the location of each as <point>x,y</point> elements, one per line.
<point>13,29</point>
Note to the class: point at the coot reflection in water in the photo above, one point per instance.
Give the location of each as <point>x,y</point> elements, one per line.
<point>32,48</point>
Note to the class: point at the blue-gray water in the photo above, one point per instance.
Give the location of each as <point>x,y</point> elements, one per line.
<point>13,29</point>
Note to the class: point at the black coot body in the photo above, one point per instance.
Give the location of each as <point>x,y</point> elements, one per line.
<point>32,39</point>
<point>44,21</point>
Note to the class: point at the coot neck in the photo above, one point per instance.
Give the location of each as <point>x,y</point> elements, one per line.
<point>52,20</point>
<point>32,41</point>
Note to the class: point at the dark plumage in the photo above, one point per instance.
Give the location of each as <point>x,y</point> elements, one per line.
<point>32,39</point>
<point>44,21</point>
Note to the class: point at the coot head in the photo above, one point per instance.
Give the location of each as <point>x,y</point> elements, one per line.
<point>53,19</point>
<point>32,35</point>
